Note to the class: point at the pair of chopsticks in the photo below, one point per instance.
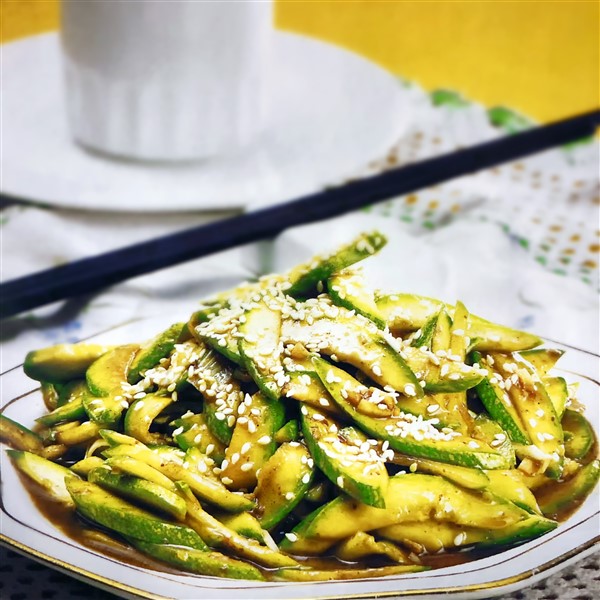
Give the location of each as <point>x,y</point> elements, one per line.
<point>93,274</point>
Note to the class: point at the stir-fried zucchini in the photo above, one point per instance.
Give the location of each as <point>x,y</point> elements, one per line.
<point>304,414</point>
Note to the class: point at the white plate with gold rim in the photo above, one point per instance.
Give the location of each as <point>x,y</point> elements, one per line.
<point>25,529</point>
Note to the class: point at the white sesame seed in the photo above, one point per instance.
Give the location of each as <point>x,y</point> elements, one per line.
<point>227,480</point>
<point>306,478</point>
<point>409,389</point>
<point>291,536</point>
<point>340,481</point>
<point>264,440</point>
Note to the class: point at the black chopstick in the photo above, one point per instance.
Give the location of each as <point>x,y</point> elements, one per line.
<point>92,274</point>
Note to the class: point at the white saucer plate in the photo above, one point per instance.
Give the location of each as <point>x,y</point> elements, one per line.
<point>26,530</point>
<point>330,112</point>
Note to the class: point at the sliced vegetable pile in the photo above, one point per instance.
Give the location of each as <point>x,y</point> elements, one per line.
<point>305,415</point>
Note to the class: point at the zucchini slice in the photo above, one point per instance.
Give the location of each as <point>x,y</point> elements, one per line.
<point>409,434</point>
<point>252,442</point>
<point>117,514</point>
<point>304,278</point>
<point>346,457</point>
<point>355,340</point>
<point>410,497</point>
<point>347,288</point>
<point>282,483</point>
<point>105,379</point>
<point>18,436</point>
<point>149,354</point>
<point>45,473</point>
<point>63,362</point>
<point>260,350</point>
<point>140,490</point>
<point>579,434</point>
<point>409,312</point>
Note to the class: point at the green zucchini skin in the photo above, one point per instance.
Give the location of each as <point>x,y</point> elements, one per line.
<point>104,403</point>
<point>210,563</point>
<point>149,355</point>
<point>121,516</point>
<point>304,278</point>
<point>456,450</point>
<point>579,434</point>
<point>409,497</point>
<point>557,498</point>
<point>359,474</point>
<point>45,473</point>
<point>139,490</point>
<point>347,289</point>
<point>410,312</point>
<point>282,483</point>
<point>62,363</point>
<point>19,436</point>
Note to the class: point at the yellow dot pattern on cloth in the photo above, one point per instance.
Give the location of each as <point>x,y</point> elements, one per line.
<point>546,204</point>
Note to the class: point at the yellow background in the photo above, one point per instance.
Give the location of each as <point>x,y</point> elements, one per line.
<point>539,57</point>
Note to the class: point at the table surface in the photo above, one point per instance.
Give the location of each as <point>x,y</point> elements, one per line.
<point>23,579</point>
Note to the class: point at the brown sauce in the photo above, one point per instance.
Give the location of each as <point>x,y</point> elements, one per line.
<point>108,544</point>
<point>86,534</point>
